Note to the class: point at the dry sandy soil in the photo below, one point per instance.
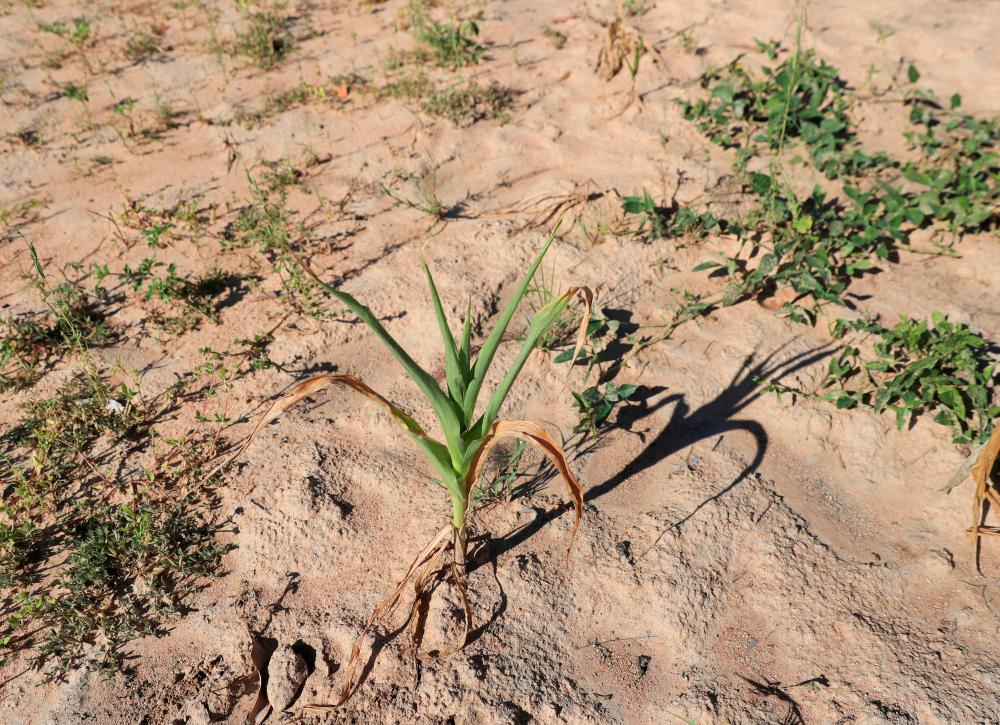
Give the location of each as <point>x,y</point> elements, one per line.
<point>729,538</point>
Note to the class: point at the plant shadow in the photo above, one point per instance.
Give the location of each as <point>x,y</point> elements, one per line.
<point>685,428</point>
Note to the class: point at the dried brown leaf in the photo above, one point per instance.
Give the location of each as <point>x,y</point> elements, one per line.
<point>984,492</point>
<point>386,606</point>
<point>536,435</point>
<point>258,657</point>
<point>305,389</point>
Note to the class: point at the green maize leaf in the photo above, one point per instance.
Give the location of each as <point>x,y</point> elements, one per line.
<point>465,347</point>
<point>489,349</point>
<point>444,409</point>
<point>540,322</point>
<point>453,368</point>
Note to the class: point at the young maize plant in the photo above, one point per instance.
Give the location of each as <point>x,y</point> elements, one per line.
<point>468,437</point>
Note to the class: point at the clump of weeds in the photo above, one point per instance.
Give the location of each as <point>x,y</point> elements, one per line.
<point>916,366</point>
<point>266,40</point>
<point>447,45</point>
<point>69,322</point>
<point>466,105</point>
<point>266,225</point>
<point>91,558</point>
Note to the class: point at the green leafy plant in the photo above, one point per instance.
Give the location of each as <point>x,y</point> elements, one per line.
<point>935,366</point>
<point>956,179</point>
<point>596,403</point>
<point>659,222</point>
<point>653,219</point>
<point>931,365</point>
<point>77,32</point>
<point>809,245</point>
<point>468,436</point>
<point>802,97</point>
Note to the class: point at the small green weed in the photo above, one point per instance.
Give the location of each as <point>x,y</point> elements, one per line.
<point>957,175</point>
<point>29,342</point>
<point>198,295</point>
<point>77,32</point>
<point>464,106</point>
<point>143,44</point>
<point>449,46</point>
<point>423,196</point>
<point>659,222</point>
<point>596,403</point>
<point>500,483</point>
<point>266,40</point>
<point>265,224</point>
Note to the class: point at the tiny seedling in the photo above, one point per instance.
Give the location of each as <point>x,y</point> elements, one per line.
<point>424,196</point>
<point>652,219</point>
<point>468,437</point>
<point>501,485</point>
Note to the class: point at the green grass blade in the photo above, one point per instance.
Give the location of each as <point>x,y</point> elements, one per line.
<point>453,369</point>
<point>489,349</point>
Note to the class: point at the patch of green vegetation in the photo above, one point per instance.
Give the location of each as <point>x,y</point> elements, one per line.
<point>266,40</point>
<point>449,46</point>
<point>802,98</point>
<point>78,31</point>
<point>142,44</point>
<point>956,179</point>
<point>464,106</point>
<point>659,222</point>
<point>196,295</point>
<point>31,341</point>
<point>75,93</point>
<point>934,366</point>
<point>810,244</point>
<point>266,225</point>
<point>81,572</point>
<point>408,87</point>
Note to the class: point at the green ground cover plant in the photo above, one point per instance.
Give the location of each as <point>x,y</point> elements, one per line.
<point>91,558</point>
<point>932,366</point>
